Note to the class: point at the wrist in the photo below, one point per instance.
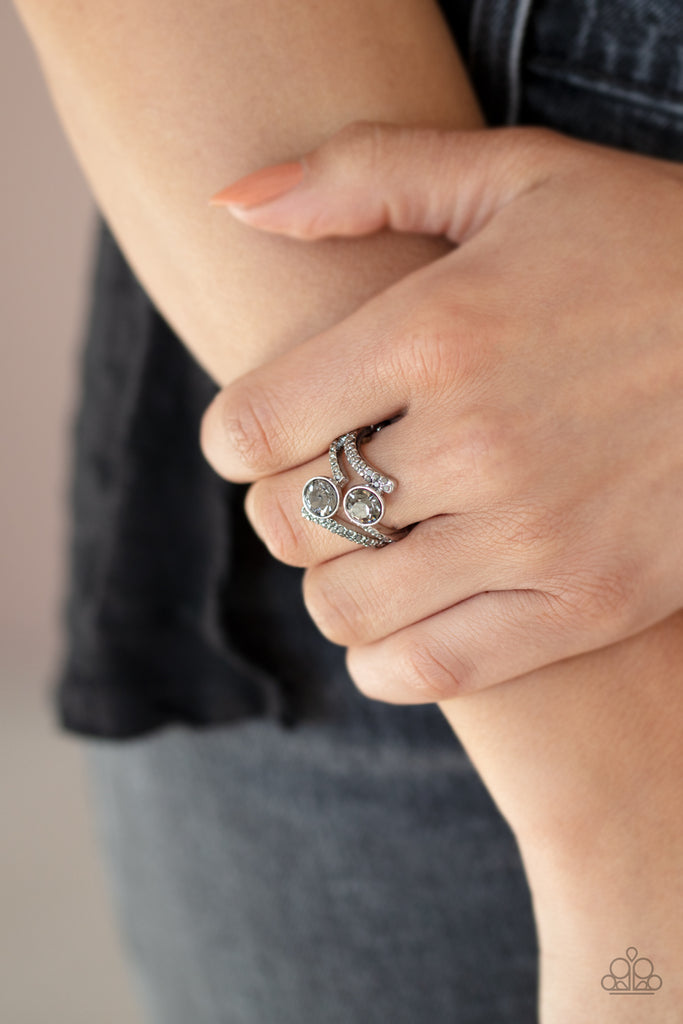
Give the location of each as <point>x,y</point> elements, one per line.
<point>584,759</point>
<point>593,908</point>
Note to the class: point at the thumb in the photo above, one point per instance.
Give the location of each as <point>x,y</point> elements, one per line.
<point>373,176</point>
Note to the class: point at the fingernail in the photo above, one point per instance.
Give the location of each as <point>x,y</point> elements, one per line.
<point>260,187</point>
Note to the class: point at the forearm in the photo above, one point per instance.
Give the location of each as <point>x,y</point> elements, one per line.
<point>166,102</point>
<point>585,759</point>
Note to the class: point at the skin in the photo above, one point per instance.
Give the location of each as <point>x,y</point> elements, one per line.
<point>179,101</point>
<point>184,97</point>
<point>539,396</point>
<point>585,760</point>
<point>524,515</point>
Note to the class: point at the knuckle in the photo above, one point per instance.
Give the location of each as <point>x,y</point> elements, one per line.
<point>424,358</point>
<point>606,600</point>
<point>335,610</point>
<point>533,534</point>
<point>408,673</point>
<point>361,142</point>
<point>251,430</point>
<point>380,152</point>
<point>432,673</point>
<point>274,526</point>
<point>614,599</point>
<point>487,448</point>
<point>440,346</point>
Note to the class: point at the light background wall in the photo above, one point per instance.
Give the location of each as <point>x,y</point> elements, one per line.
<point>59,958</point>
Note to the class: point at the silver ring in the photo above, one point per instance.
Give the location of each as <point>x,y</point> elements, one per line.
<point>362,504</point>
<point>357,462</point>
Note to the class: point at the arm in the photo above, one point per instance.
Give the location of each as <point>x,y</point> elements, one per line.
<point>585,760</point>
<point>166,101</point>
<point>539,452</point>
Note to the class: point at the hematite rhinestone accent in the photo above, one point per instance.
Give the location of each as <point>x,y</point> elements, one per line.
<point>363,506</point>
<point>320,497</point>
<point>334,526</point>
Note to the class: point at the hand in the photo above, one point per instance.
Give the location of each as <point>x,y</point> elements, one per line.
<point>567,498</point>
<point>538,371</point>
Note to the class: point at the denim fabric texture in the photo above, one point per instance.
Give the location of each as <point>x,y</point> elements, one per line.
<point>325,874</point>
<point>320,857</point>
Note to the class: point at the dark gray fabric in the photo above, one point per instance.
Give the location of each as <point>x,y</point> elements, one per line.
<point>608,71</point>
<point>351,872</point>
<point>154,535</point>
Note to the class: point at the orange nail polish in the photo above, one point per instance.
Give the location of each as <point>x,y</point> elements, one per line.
<point>260,187</point>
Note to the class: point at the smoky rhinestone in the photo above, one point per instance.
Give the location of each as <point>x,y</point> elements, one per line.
<point>320,497</point>
<point>363,506</point>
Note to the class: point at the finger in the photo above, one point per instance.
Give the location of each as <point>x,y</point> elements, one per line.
<point>488,639</point>
<point>369,176</point>
<point>363,598</point>
<point>273,507</point>
<point>431,479</point>
<point>367,369</point>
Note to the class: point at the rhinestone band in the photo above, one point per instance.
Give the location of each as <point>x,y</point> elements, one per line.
<point>358,463</point>
<point>378,540</point>
<point>338,475</point>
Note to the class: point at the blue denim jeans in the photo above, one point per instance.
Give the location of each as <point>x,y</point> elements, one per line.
<point>353,868</point>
